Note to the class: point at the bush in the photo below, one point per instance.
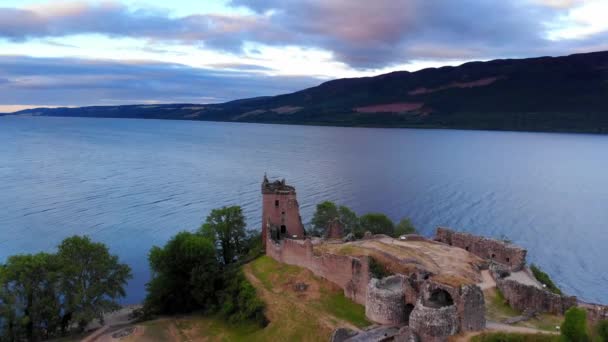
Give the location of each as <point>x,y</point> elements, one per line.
<point>545,279</point>
<point>574,328</point>
<point>239,300</point>
<point>377,270</point>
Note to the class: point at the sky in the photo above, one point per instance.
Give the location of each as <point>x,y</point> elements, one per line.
<point>112,52</point>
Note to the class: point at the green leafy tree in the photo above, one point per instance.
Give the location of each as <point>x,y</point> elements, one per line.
<point>29,298</point>
<point>184,275</point>
<point>328,211</point>
<point>574,327</point>
<point>601,330</point>
<point>325,212</point>
<point>376,223</point>
<point>404,227</point>
<point>226,228</point>
<point>349,219</point>
<point>92,279</point>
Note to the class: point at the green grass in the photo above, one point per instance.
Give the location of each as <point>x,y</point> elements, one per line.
<point>497,307</point>
<point>332,301</point>
<point>265,268</point>
<point>545,279</point>
<point>514,337</point>
<point>343,308</point>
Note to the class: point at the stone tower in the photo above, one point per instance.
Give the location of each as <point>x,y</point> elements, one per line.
<point>280,211</point>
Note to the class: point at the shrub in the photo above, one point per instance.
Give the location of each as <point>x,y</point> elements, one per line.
<point>601,330</point>
<point>574,328</point>
<point>239,300</point>
<point>377,270</point>
<point>545,279</point>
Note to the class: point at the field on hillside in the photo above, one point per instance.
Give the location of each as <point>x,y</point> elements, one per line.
<point>300,307</point>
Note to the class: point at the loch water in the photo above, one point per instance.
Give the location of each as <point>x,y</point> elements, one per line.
<point>133,184</point>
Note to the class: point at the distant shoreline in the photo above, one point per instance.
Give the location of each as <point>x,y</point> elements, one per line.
<point>317,124</point>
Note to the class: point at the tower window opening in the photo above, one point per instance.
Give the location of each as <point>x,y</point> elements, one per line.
<point>276,203</point>
<point>283,229</point>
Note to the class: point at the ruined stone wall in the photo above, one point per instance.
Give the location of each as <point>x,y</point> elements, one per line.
<point>349,273</point>
<point>385,302</point>
<point>471,308</point>
<point>434,324</point>
<point>468,300</point>
<point>527,297</point>
<point>498,251</point>
<point>595,312</point>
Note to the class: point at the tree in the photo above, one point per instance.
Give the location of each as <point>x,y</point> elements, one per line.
<point>349,219</point>
<point>376,223</point>
<point>226,228</point>
<point>29,298</point>
<point>602,330</point>
<point>92,279</point>
<point>404,227</point>
<point>325,212</point>
<point>184,275</point>
<point>574,327</point>
<point>328,211</point>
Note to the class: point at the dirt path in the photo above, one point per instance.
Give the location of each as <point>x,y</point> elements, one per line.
<point>277,302</point>
<point>487,282</point>
<point>494,326</point>
<point>499,327</point>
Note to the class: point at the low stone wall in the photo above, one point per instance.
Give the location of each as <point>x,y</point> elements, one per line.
<point>498,251</point>
<point>527,297</point>
<point>350,273</point>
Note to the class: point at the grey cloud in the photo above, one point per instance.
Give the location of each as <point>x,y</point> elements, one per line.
<point>363,34</point>
<point>64,81</point>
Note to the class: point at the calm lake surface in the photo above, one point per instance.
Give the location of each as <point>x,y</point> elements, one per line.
<point>134,183</point>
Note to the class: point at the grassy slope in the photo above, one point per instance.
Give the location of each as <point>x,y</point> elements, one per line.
<point>309,315</point>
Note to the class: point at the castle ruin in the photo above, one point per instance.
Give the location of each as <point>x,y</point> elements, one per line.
<point>432,291</point>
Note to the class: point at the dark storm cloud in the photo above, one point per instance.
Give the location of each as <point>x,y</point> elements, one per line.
<point>63,81</point>
<point>363,34</point>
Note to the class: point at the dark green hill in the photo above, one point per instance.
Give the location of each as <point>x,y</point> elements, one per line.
<point>568,94</point>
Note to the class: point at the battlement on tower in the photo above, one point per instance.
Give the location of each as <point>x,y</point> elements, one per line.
<point>277,187</point>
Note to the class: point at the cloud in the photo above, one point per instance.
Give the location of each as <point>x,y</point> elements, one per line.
<point>77,82</point>
<point>363,34</point>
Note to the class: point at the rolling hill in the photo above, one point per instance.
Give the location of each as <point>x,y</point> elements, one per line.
<point>565,94</point>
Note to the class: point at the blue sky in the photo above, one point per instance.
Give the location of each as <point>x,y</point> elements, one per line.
<point>108,52</point>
